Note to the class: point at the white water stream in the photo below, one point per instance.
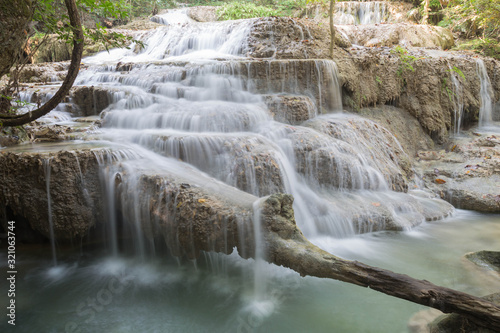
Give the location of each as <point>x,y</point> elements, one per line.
<point>486,109</point>
<point>359,12</point>
<point>192,104</point>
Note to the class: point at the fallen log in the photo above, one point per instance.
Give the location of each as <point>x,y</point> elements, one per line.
<point>287,246</point>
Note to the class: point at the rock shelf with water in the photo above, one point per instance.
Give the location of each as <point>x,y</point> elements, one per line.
<point>231,137</point>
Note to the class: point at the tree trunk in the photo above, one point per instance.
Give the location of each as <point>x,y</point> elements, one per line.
<point>76,57</point>
<point>332,28</point>
<point>15,19</point>
<point>427,4</point>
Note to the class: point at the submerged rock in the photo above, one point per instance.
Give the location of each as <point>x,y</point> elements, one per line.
<point>419,322</point>
<point>486,259</point>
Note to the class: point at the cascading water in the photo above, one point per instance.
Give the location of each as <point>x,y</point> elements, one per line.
<point>486,109</point>
<point>458,101</point>
<point>357,12</point>
<point>47,169</point>
<point>211,114</point>
<point>177,112</point>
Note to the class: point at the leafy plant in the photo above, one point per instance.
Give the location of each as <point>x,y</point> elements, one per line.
<point>244,10</point>
<point>405,58</point>
<point>474,17</point>
<point>447,90</point>
<point>457,70</point>
<point>487,46</point>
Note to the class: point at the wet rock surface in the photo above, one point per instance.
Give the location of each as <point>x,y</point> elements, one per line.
<point>382,149</point>
<point>290,109</point>
<point>179,208</point>
<point>203,13</point>
<point>247,162</point>
<point>402,125</point>
<point>408,35</point>
<point>89,101</point>
<point>376,76</point>
<point>75,190</point>
<point>486,259</point>
<point>468,174</point>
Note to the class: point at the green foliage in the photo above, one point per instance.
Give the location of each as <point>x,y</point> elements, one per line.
<point>434,5</point>
<point>486,46</point>
<point>478,21</point>
<point>406,60</point>
<point>52,18</point>
<point>445,89</point>
<point>288,7</point>
<point>140,8</point>
<point>15,104</point>
<point>474,17</point>
<point>243,10</point>
<point>457,70</point>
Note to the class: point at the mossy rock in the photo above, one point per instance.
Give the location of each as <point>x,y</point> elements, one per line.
<point>486,259</point>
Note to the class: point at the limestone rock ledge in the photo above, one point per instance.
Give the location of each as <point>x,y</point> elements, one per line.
<point>187,210</point>
<point>75,190</point>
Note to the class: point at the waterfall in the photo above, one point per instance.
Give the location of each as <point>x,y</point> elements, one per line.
<point>486,109</point>
<point>173,16</point>
<point>458,101</point>
<point>260,253</point>
<point>47,169</point>
<point>354,12</point>
<point>198,108</point>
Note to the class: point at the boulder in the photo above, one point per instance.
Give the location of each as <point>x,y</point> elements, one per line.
<point>290,109</point>
<point>486,259</point>
<point>203,13</point>
<point>381,149</point>
<point>89,101</point>
<point>405,128</point>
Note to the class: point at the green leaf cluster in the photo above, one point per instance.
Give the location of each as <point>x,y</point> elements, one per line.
<point>406,60</point>
<point>474,17</point>
<point>477,21</point>
<point>244,10</point>
<point>52,18</point>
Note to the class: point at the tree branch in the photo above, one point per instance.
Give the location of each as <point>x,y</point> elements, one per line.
<point>74,67</point>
